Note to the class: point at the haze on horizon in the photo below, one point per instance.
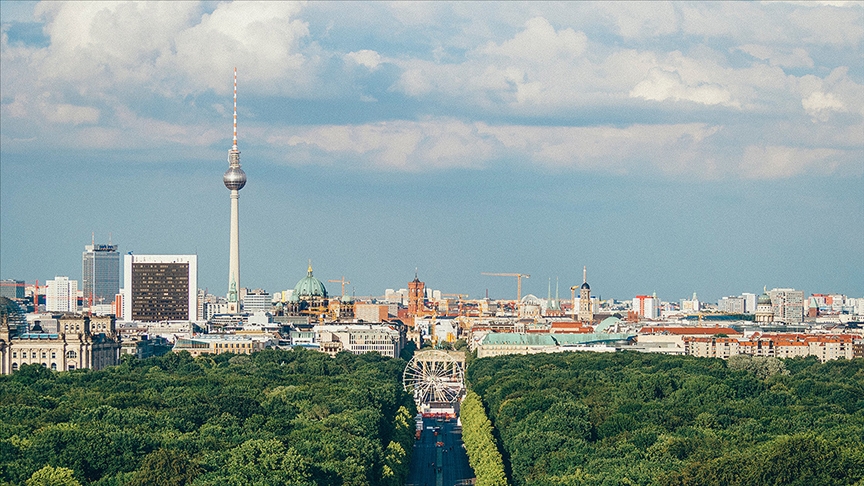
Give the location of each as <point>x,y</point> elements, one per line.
<point>672,147</point>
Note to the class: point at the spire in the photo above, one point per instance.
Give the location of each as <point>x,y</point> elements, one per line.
<point>309,270</point>
<point>585,274</point>
<point>235,109</point>
<point>549,290</point>
<point>93,238</point>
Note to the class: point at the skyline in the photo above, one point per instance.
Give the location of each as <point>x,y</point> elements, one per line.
<point>676,148</point>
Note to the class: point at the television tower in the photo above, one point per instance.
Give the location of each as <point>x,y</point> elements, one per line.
<point>234,180</point>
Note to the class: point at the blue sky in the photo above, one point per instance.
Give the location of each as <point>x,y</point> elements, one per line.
<point>670,147</point>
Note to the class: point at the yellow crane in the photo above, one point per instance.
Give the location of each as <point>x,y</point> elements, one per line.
<point>343,282</point>
<point>458,296</point>
<point>518,281</point>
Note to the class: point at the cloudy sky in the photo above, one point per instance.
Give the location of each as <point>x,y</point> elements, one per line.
<point>670,147</point>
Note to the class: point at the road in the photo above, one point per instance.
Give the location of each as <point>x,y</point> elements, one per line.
<point>433,465</point>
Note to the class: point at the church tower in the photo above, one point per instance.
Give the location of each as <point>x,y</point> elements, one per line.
<point>586,313</point>
<point>416,296</point>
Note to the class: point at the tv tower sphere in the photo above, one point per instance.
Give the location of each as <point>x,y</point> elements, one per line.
<point>234,178</point>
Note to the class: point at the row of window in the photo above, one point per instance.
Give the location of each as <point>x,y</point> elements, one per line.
<point>33,354</point>
<point>53,366</point>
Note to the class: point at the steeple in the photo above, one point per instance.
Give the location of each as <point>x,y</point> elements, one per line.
<point>309,270</point>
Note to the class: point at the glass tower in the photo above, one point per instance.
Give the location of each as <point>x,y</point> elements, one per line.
<point>100,274</point>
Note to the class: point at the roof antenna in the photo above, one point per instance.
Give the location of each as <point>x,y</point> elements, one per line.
<point>93,238</point>
<point>235,108</point>
<point>109,238</point>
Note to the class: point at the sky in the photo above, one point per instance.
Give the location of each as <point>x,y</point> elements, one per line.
<point>674,148</point>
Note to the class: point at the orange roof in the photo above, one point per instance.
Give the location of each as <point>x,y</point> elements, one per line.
<point>683,331</point>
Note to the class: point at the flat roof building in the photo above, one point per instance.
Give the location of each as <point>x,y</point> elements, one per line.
<point>100,274</point>
<point>160,288</point>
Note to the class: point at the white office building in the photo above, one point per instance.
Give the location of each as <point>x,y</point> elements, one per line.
<point>61,295</point>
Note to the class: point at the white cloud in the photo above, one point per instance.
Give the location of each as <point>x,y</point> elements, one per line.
<point>365,57</point>
<point>819,105</point>
<point>71,114</point>
<point>661,85</point>
<point>540,43</point>
<point>794,58</point>
<point>778,162</point>
<point>477,70</point>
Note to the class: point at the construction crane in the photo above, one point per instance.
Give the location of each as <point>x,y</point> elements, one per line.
<point>518,281</point>
<point>343,282</point>
<point>458,296</point>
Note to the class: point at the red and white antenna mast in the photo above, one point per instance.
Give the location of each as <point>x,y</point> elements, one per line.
<point>235,108</point>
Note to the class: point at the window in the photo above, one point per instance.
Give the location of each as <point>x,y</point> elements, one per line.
<point>53,355</point>
<point>71,355</point>
<point>14,366</point>
<point>14,354</point>
<point>54,366</point>
<point>44,355</point>
<point>71,367</point>
<point>33,354</point>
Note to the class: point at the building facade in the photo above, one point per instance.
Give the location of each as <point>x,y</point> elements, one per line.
<point>220,343</point>
<point>160,288</point>
<point>647,306</point>
<point>385,339</point>
<point>100,274</point>
<point>79,342</point>
<point>61,295</point>
<point>787,304</point>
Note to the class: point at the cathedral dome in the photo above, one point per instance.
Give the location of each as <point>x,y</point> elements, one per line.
<point>764,299</point>
<point>309,286</point>
<point>585,286</point>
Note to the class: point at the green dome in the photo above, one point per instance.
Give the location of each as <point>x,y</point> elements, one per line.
<point>308,286</point>
<point>764,299</point>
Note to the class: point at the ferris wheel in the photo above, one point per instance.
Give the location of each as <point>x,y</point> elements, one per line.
<point>433,376</point>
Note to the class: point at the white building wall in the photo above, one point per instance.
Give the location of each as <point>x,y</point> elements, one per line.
<point>61,295</point>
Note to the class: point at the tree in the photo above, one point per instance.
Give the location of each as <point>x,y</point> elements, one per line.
<point>53,476</point>
<point>164,467</point>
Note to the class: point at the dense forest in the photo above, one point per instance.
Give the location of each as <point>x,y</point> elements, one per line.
<point>274,417</point>
<point>632,418</point>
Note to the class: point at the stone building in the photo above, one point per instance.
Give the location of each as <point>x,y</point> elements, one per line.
<point>79,342</point>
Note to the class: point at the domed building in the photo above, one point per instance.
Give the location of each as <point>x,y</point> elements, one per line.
<point>764,309</point>
<point>309,296</point>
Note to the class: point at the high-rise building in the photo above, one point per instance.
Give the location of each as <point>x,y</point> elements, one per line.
<point>257,300</point>
<point>100,274</point>
<point>12,289</point>
<point>61,295</point>
<point>787,304</point>
<point>647,306</point>
<point>160,288</point>
<point>749,302</point>
<point>234,179</point>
